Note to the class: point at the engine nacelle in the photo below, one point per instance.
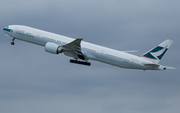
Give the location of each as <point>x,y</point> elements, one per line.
<point>53,48</point>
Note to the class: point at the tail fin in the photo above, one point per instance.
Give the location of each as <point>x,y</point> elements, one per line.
<point>156,54</point>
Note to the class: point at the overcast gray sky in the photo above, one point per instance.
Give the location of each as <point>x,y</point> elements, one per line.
<point>33,81</point>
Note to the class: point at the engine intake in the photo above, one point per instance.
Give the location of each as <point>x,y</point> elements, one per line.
<point>53,48</point>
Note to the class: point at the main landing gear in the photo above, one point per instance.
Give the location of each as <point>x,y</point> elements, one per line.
<point>12,43</point>
<point>80,62</point>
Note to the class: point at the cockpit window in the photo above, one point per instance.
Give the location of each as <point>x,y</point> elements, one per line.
<point>7,29</point>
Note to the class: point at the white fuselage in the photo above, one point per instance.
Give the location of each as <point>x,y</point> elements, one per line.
<point>94,52</point>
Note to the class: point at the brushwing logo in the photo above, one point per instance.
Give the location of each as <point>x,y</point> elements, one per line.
<point>156,53</point>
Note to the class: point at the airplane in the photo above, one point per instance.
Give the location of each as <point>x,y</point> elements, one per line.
<point>82,51</point>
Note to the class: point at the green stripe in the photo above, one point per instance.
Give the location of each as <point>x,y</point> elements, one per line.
<point>6,29</point>
<point>156,49</point>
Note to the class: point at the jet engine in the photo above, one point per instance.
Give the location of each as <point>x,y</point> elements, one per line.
<point>53,48</point>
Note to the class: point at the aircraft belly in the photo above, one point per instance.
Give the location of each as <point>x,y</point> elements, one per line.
<point>119,62</point>
<point>111,60</point>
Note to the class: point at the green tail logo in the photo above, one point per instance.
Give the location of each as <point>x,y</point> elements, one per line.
<point>156,54</point>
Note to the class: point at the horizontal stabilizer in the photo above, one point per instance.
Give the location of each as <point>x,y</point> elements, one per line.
<point>152,65</point>
<point>170,68</point>
<point>157,66</point>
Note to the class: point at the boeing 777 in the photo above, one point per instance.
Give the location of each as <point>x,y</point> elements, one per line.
<point>82,51</point>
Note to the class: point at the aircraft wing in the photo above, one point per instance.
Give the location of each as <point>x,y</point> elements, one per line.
<point>74,49</point>
<point>76,44</point>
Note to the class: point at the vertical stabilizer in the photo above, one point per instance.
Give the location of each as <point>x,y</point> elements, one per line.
<point>156,54</point>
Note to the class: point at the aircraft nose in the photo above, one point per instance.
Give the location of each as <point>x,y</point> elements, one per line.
<point>6,29</point>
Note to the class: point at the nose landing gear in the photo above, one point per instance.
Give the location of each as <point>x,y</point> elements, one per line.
<point>12,43</point>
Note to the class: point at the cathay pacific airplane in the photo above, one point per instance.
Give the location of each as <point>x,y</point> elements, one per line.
<point>82,51</point>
